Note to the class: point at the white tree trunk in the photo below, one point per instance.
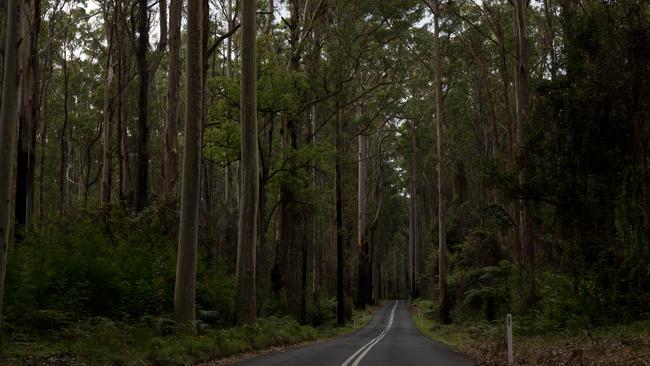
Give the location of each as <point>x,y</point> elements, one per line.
<point>184,295</point>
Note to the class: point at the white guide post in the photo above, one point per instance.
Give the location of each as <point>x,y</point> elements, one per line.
<point>509,335</point>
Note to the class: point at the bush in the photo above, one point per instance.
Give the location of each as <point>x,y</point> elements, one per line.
<point>80,269</point>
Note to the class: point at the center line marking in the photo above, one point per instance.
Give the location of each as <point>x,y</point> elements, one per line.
<point>361,352</point>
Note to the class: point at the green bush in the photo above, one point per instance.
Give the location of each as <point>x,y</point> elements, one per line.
<point>79,268</point>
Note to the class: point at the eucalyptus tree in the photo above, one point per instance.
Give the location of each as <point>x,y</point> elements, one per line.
<point>249,185</point>
<point>185,288</point>
<point>523,110</point>
<point>147,67</point>
<point>109,11</point>
<point>169,167</point>
<point>443,300</point>
<point>30,26</point>
<point>8,125</point>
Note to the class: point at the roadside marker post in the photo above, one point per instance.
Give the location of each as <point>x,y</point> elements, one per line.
<point>509,335</point>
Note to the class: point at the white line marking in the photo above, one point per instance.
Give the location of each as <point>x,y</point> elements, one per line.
<point>366,348</point>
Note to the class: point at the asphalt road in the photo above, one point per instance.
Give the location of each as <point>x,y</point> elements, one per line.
<point>389,339</point>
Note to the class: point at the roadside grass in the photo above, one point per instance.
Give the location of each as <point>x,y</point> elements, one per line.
<point>108,342</point>
<point>536,344</point>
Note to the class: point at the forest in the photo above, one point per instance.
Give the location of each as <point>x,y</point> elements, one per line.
<point>182,181</point>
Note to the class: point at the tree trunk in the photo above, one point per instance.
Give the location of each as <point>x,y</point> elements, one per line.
<point>44,98</point>
<point>8,126</point>
<point>185,289</point>
<point>269,18</point>
<point>122,75</point>
<point>413,217</point>
<point>107,161</point>
<point>142,162</point>
<point>170,136</point>
<point>229,75</point>
<point>247,236</point>
<point>62,136</point>
<point>29,65</point>
<point>443,305</point>
<point>523,108</point>
<point>340,255</point>
<point>291,214</point>
<point>523,105</point>
<point>364,278</point>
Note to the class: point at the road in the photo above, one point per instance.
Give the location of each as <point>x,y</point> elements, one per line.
<point>389,339</point>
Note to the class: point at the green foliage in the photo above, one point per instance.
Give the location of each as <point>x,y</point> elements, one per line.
<point>101,341</point>
<point>81,269</point>
<point>112,264</point>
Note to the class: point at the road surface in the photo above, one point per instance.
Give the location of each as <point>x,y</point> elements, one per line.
<point>389,339</point>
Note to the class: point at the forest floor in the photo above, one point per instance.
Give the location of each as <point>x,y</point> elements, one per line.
<point>484,342</point>
<point>109,342</point>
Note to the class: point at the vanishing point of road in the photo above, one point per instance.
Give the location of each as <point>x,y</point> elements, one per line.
<point>389,339</point>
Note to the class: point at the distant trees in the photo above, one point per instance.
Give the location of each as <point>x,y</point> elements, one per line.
<point>340,121</point>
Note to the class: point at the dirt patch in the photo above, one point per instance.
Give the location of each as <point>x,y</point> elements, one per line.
<point>598,352</point>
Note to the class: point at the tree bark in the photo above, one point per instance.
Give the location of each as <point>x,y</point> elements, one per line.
<point>107,161</point>
<point>229,75</point>
<point>443,304</point>
<point>523,105</point>
<point>122,65</point>
<point>269,18</point>
<point>249,198</point>
<point>340,255</point>
<point>142,162</point>
<point>364,278</point>
<point>146,72</point>
<point>170,136</point>
<point>29,74</point>
<point>413,217</point>
<point>185,288</point>
<point>44,98</point>
<point>62,135</point>
<point>8,126</point>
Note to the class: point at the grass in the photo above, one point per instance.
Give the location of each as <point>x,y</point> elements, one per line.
<point>451,334</point>
<point>107,342</point>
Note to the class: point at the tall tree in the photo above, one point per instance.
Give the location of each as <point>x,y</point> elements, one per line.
<point>63,140</point>
<point>364,281</point>
<point>413,216</point>
<point>340,254</point>
<point>170,133</point>
<point>185,290</point>
<point>142,162</point>
<point>523,106</point>
<point>122,85</point>
<point>107,162</point>
<point>146,71</point>
<point>29,74</point>
<point>249,197</point>
<point>8,124</point>
<point>443,300</point>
